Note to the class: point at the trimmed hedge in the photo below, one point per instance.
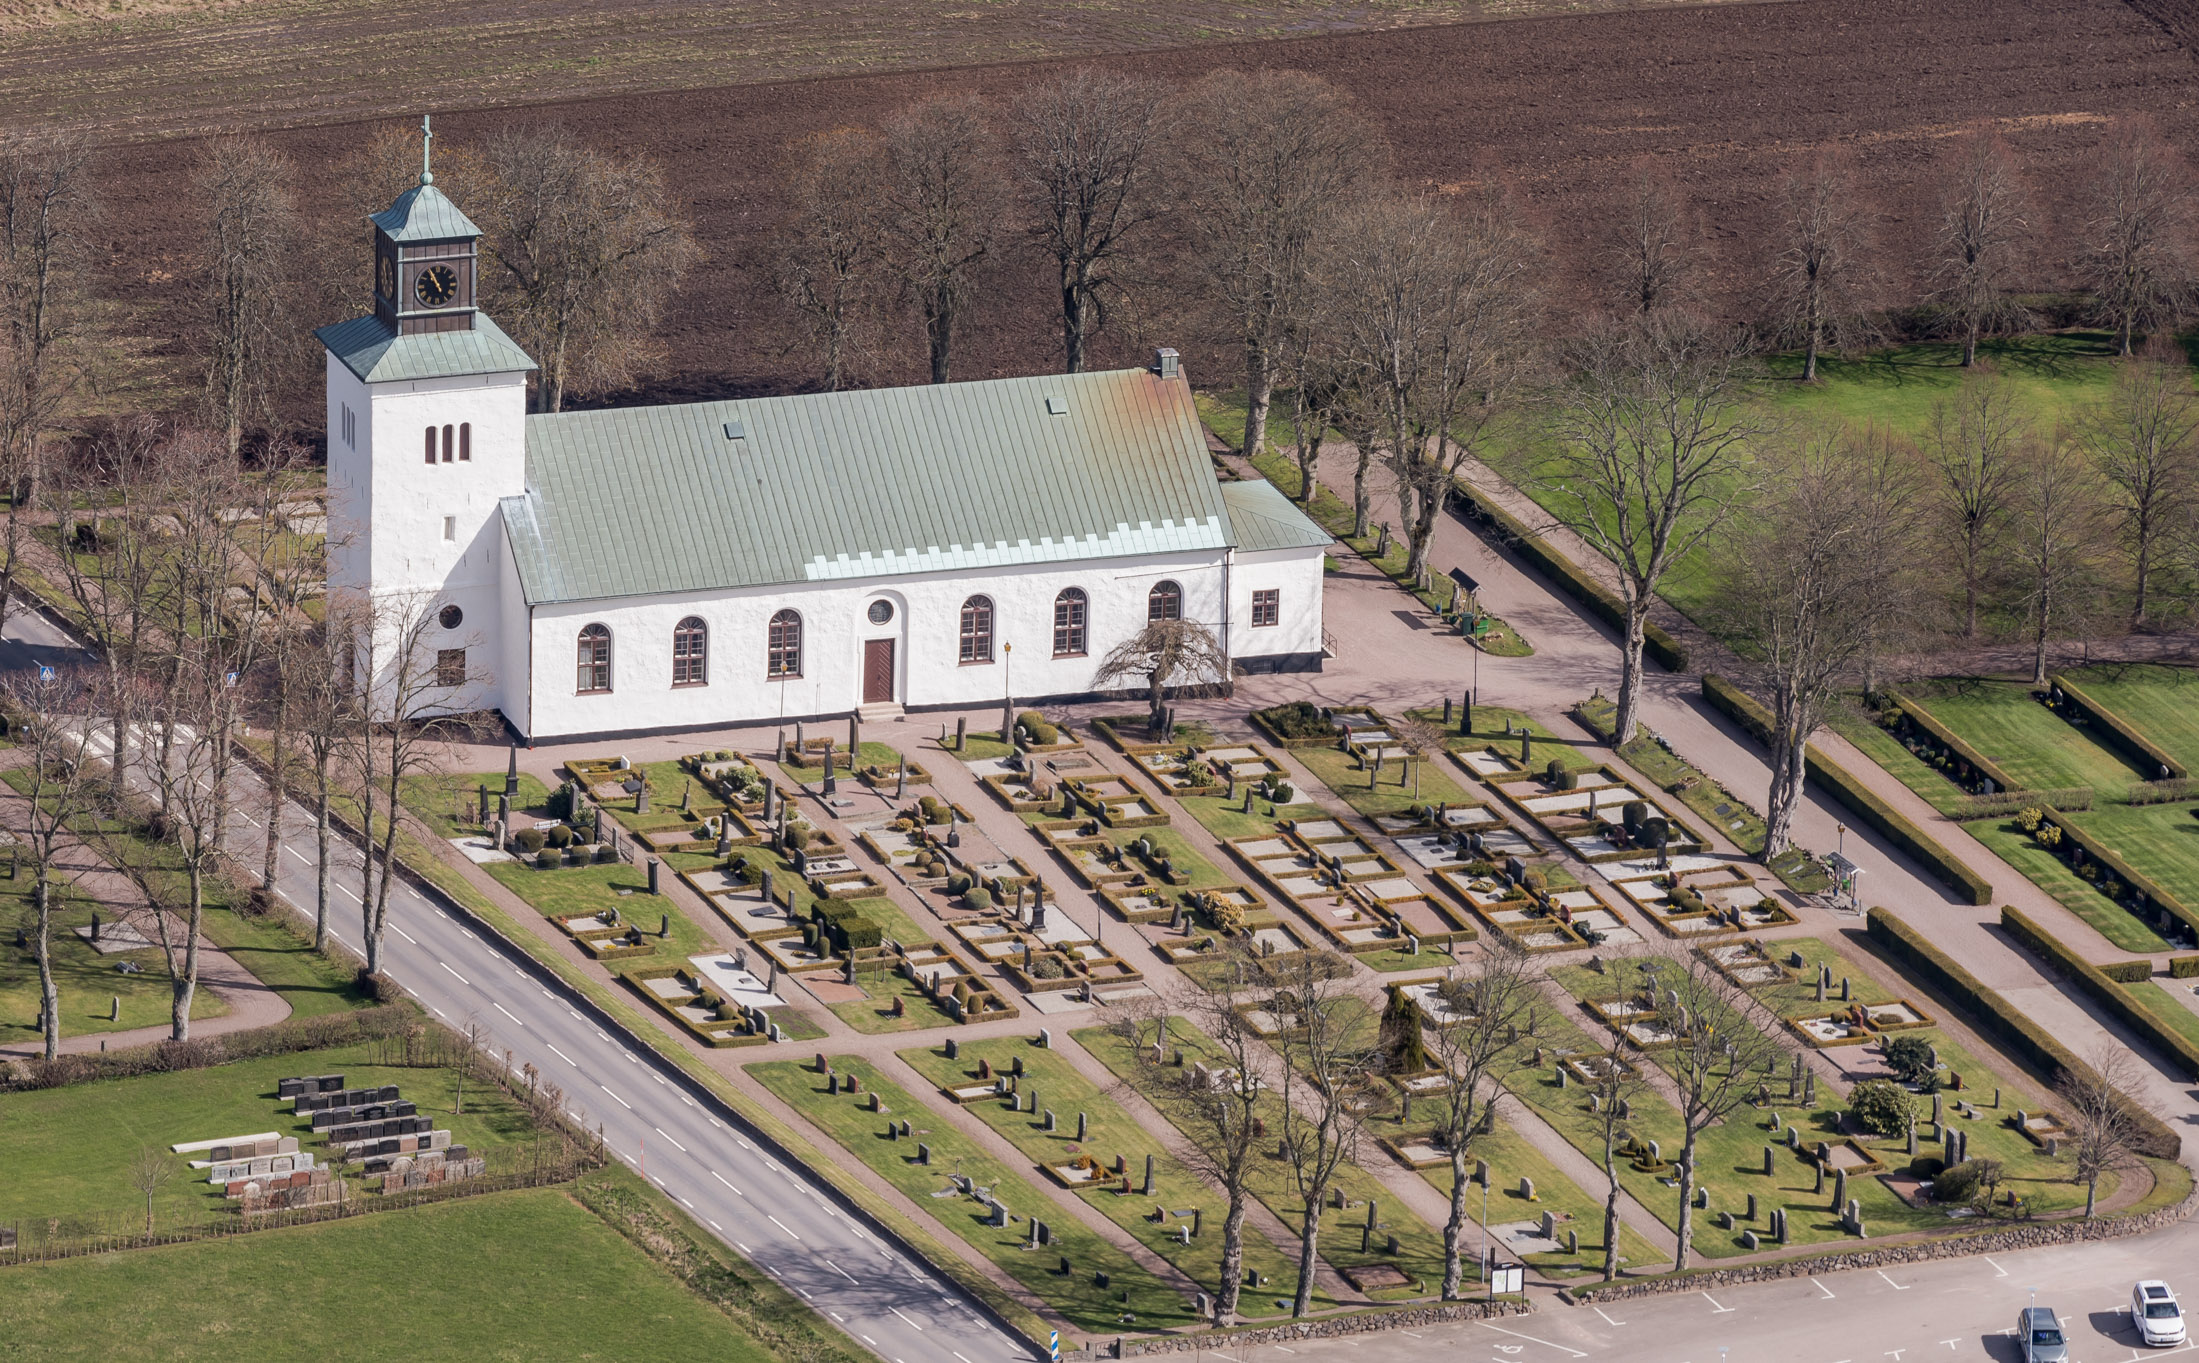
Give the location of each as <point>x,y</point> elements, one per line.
<point>1566,575</point>
<point>2102,986</point>
<point>1868,809</point>
<point>2183,967</point>
<point>1954,743</point>
<point>2000,1020</point>
<point>2158,899</point>
<point>2127,972</point>
<point>2112,731</point>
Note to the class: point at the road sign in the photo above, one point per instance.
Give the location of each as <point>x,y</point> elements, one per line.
<point>45,672</point>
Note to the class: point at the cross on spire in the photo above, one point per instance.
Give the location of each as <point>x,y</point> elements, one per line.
<point>427,144</point>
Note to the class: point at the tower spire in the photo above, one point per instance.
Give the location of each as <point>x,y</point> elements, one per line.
<point>427,144</point>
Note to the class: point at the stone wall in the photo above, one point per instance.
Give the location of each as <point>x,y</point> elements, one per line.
<point>1362,1323</point>
<point>2026,1235</point>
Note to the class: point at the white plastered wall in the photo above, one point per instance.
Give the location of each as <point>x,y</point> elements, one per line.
<point>1296,576</point>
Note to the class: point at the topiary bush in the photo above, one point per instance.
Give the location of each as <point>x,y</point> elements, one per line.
<point>1910,1058</point>
<point>1633,815</point>
<point>959,883</point>
<point>550,859</point>
<point>1882,1106</point>
<point>1967,1182</point>
<point>559,837</point>
<point>1037,729</point>
<point>606,854</point>
<point>976,898</point>
<point>1298,719</point>
<point>529,840</point>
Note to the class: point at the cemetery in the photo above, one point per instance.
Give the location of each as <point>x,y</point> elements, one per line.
<point>1078,1135</point>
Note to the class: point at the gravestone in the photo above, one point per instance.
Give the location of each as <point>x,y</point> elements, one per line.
<point>1749,1239</point>
<point>1840,1189</point>
<point>1572,1241</point>
<point>1481,1172</point>
<point>923,1153</point>
<point>954,1049</point>
<point>1767,1161</point>
<point>1148,1188</point>
<point>1049,1122</point>
<point>1527,1188</point>
<point>1752,1207</point>
<point>1084,1127</point>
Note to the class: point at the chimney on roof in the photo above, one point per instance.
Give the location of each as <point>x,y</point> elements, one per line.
<point>1167,363</point>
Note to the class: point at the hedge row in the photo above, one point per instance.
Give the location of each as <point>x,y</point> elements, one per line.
<point>1999,1020</point>
<point>1955,744</point>
<point>2101,985</point>
<point>291,1035</point>
<point>2183,967</point>
<point>2161,901</point>
<point>1868,809</point>
<point>2109,728</point>
<point>1599,600</point>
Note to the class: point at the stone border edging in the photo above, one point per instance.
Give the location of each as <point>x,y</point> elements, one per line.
<point>2036,1235</point>
<point>1361,1323</point>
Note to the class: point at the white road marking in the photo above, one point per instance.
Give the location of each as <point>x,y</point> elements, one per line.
<point>1531,1339</point>
<point>871,1342</point>
<point>839,1270</point>
<point>721,1178</point>
<point>1822,1288</point>
<point>1951,1343</point>
<point>904,1315</point>
<point>715,1226</point>
<point>404,934</point>
<point>564,1057</point>
<point>456,976</point>
<point>1606,1319</point>
<point>505,1011</point>
<point>782,1225</point>
<point>958,1354</point>
<point>1714,1306</point>
<point>621,1101</point>
<point>1996,1267</point>
<point>675,1143</point>
<point>1889,1282</point>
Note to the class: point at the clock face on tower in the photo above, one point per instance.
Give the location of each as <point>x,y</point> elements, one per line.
<point>386,278</point>
<point>436,286</point>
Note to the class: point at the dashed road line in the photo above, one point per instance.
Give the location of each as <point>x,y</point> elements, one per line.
<point>782,1225</point>
<point>621,1101</point>
<point>458,977</point>
<point>505,1011</point>
<point>562,1056</point>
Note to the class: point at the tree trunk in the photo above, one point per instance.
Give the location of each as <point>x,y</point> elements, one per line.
<point>1788,771</point>
<point>1970,554</point>
<point>2091,1195</point>
<point>1259,396</point>
<point>320,869</point>
<point>1687,1203</point>
<point>1233,1257</point>
<point>1970,345</point>
<point>187,983</point>
<point>1359,498</point>
<point>1809,352</point>
<point>1610,1210</point>
<point>1630,671</point>
<point>1074,317</point>
<point>939,332</point>
<point>1309,1243</point>
<point>276,771</point>
<point>2144,567</point>
<point>1309,467</point>
<point>2043,616</point>
<point>1454,1227</point>
<point>49,992</point>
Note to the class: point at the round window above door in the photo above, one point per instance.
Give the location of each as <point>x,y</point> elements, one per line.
<point>881,612</point>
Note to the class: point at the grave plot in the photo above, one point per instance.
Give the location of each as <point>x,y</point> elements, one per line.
<point>1511,908</point>
<point>1699,897</point>
<point>669,807</point>
<point>1747,963</point>
<point>1301,724</point>
<point>606,935</point>
<point>1398,1253</point>
<point>729,776</point>
<point>1181,769</point>
<point>1598,816</point>
<point>1114,800</point>
<point>973,1196</point>
<point>723,1007</point>
<point>1081,1138</point>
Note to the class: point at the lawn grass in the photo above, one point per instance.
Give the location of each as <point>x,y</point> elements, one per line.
<point>1501,726</point>
<point>874,1015</point>
<point>1511,1158</point>
<point>70,1148</point>
<point>1887,751</point>
<point>1420,1245</point>
<point>88,981</point>
<point>1218,816</point>
<point>448,801</point>
<point>526,1274</point>
<point>1077,1295</point>
<point>2162,841</point>
<point>1198,872</point>
<point>2050,873</point>
<point>1425,782</point>
<point>2036,747</point>
<point>2160,702</point>
<point>592,889</point>
<point>1059,1086</point>
<point>810,766</point>
<point>2153,996</point>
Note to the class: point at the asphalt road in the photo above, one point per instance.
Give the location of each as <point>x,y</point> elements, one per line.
<point>793,1227</point>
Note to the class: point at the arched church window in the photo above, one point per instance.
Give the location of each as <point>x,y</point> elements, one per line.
<point>431,444</point>
<point>595,659</point>
<point>783,645</point>
<point>690,652</point>
<point>465,442</point>
<point>1164,602</point>
<point>977,630</point>
<point>1069,616</point>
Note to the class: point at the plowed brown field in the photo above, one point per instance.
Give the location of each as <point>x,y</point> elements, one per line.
<point>1724,97</point>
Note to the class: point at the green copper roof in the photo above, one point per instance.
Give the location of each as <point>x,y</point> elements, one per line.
<point>423,213</point>
<point>378,355</point>
<point>1261,517</point>
<point>715,495</point>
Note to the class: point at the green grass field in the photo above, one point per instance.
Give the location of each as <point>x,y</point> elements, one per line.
<point>1078,1295</point>
<point>1060,1087</point>
<point>2036,747</point>
<point>2051,874</point>
<point>2153,996</point>
<point>519,1275</point>
<point>88,981</point>
<point>2160,841</point>
<point>1906,767</point>
<point>2160,702</point>
<point>70,1148</point>
<point>1424,782</point>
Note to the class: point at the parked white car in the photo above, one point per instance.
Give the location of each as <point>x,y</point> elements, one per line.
<point>2157,1315</point>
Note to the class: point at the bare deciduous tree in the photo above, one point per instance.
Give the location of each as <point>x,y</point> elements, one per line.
<point>1651,255</point>
<point>1983,230</point>
<point>1811,581</point>
<point>1426,312</point>
<point>2105,1135</point>
<point>242,186</point>
<point>828,249</point>
<point>57,714</point>
<point>329,719</point>
<point>1278,153</point>
<point>1606,1114</point>
<point>1652,433</point>
<point>1716,1060</point>
<point>1330,1083</point>
<point>586,250</point>
<point>940,197</point>
<point>1481,1013</point>
<point>2136,251</point>
<point>1223,1105</point>
<point>1182,652</point>
<point>1087,152</point>
<point>1971,440</point>
<point>2058,524</point>
<point>150,1170</point>
<point>1822,282</point>
<point>2144,439</point>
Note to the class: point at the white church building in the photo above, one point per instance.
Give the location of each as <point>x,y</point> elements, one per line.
<point>660,568</point>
